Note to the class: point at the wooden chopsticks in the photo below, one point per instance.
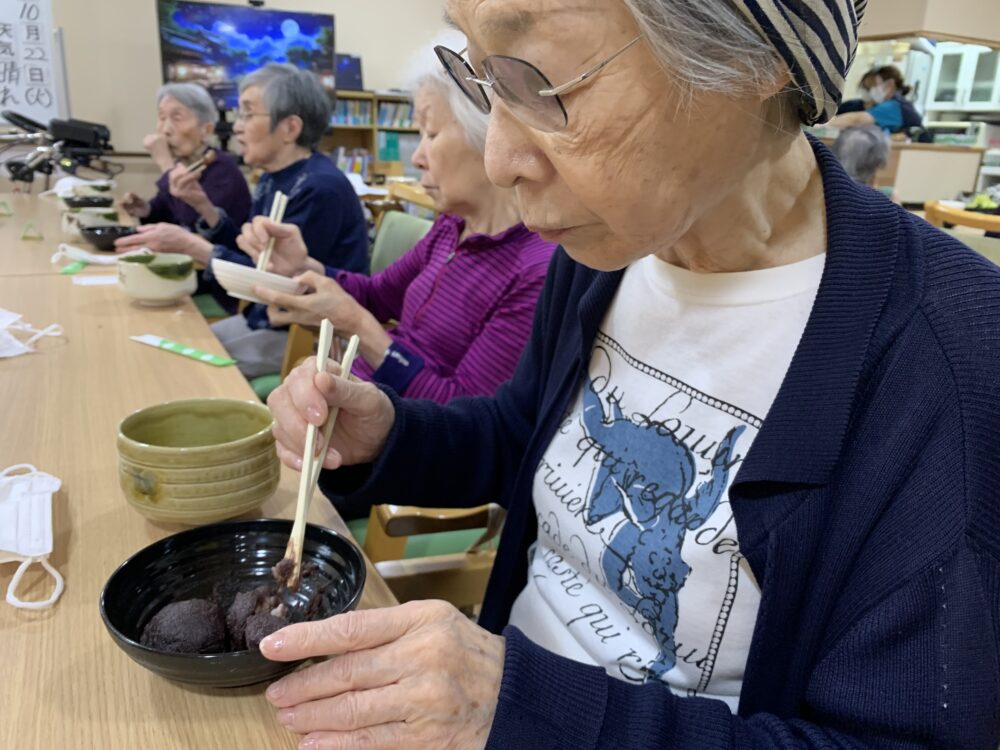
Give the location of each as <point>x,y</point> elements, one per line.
<point>209,157</point>
<point>311,465</point>
<point>278,206</point>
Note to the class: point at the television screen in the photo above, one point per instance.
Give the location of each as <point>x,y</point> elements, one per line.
<point>216,45</point>
<point>349,73</point>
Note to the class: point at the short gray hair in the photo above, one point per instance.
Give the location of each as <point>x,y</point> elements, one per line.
<point>473,122</point>
<point>863,151</point>
<point>708,45</point>
<point>286,91</point>
<point>192,96</point>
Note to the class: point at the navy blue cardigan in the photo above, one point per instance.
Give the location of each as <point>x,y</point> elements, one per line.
<point>868,507</point>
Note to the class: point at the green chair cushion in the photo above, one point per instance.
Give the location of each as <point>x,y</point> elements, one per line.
<point>397,233</point>
<point>264,384</point>
<point>424,545</point>
<point>209,307</point>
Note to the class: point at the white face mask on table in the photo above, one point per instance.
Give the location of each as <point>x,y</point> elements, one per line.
<point>11,345</point>
<point>26,527</point>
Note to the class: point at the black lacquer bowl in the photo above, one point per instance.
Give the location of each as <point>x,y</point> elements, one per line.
<point>88,201</point>
<point>103,237</point>
<point>218,561</point>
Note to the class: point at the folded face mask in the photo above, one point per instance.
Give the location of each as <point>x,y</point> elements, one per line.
<point>26,527</point>
<point>11,345</point>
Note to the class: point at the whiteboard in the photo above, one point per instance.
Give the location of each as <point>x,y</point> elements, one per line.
<point>32,74</point>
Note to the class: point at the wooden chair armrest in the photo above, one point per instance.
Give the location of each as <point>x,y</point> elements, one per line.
<point>407,520</point>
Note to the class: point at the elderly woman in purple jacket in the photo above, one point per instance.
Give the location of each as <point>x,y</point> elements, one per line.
<point>749,456</point>
<point>463,298</point>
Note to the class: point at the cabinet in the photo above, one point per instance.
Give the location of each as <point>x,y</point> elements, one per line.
<point>965,77</point>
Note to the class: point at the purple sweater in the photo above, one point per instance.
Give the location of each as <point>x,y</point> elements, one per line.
<point>222,181</point>
<point>464,310</point>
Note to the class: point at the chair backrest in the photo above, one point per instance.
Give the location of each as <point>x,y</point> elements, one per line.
<point>397,233</point>
<point>986,246</point>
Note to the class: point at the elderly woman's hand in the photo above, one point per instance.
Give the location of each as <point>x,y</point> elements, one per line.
<point>166,238</point>
<point>419,675</point>
<point>289,257</point>
<point>135,206</point>
<point>159,148</point>
<point>327,299</point>
<point>186,186</point>
<point>363,423</point>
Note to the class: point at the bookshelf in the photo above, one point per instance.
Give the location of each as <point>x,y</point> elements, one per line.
<point>380,124</point>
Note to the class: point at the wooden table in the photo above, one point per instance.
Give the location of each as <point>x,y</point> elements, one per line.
<point>24,257</point>
<point>67,685</point>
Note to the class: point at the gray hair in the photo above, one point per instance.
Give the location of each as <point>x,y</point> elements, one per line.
<point>286,91</point>
<point>192,96</point>
<point>474,123</point>
<point>863,151</point>
<point>708,45</point>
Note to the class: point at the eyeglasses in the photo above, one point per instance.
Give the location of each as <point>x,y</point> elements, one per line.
<point>522,86</point>
<point>242,116</point>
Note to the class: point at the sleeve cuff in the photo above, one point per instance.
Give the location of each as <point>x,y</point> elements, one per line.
<point>399,367</point>
<point>211,233</point>
<point>546,700</point>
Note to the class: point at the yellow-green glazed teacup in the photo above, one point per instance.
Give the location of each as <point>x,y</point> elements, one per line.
<point>197,461</point>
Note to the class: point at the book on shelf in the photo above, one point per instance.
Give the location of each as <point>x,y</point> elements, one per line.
<point>395,115</point>
<point>399,147</point>
<point>352,112</point>
<point>353,160</point>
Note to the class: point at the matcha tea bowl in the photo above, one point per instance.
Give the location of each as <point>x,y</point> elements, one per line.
<point>157,278</point>
<point>197,461</point>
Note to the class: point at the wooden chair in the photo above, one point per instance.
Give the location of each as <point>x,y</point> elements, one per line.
<point>408,192</point>
<point>939,215</point>
<point>459,578</point>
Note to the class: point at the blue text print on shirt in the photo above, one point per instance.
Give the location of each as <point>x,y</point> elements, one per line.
<point>647,474</point>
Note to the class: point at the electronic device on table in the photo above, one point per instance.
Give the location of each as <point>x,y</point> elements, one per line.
<point>71,145</point>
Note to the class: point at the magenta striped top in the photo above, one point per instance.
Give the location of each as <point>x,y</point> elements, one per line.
<point>464,309</point>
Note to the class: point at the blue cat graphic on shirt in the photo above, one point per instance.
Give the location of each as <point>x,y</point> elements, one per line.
<point>648,474</point>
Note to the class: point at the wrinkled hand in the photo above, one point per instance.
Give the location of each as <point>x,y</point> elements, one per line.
<point>166,238</point>
<point>420,675</point>
<point>363,424</point>
<point>159,149</point>
<point>328,300</point>
<point>186,186</point>
<point>135,206</point>
<point>289,257</point>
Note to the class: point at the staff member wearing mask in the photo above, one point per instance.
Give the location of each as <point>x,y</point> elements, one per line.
<point>892,110</point>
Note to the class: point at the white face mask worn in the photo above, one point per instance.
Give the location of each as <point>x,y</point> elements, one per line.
<point>26,528</point>
<point>11,345</point>
<point>877,93</point>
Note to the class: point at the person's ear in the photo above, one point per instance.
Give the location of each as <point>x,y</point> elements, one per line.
<point>291,128</point>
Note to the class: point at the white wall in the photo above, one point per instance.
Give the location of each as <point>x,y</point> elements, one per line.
<point>961,19</point>
<point>113,54</point>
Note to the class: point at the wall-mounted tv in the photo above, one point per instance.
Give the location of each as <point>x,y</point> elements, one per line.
<point>216,45</point>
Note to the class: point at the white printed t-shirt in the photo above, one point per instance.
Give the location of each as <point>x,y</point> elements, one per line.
<point>637,565</point>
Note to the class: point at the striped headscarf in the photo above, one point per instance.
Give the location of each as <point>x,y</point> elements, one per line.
<point>817,39</point>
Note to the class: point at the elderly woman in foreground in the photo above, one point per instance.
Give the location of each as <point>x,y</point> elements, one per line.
<point>750,454</point>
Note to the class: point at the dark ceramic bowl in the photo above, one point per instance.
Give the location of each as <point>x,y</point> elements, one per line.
<point>103,237</point>
<point>222,559</point>
<point>88,201</point>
